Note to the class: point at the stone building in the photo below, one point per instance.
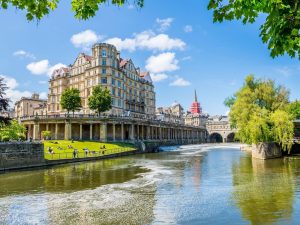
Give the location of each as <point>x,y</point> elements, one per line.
<point>132,90</point>
<point>26,106</point>
<point>173,113</point>
<point>132,116</point>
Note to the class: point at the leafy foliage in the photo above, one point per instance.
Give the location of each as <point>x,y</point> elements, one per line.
<point>46,134</point>
<point>83,9</point>
<point>70,100</point>
<point>4,102</point>
<point>100,100</point>
<point>259,110</point>
<point>12,131</point>
<point>294,109</point>
<point>280,29</point>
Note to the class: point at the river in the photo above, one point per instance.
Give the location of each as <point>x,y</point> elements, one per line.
<point>200,184</point>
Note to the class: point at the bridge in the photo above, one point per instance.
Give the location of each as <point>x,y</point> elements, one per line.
<point>219,130</point>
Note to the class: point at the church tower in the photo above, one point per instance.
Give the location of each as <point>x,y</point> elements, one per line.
<point>195,107</point>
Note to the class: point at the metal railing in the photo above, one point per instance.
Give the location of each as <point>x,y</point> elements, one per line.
<point>88,154</point>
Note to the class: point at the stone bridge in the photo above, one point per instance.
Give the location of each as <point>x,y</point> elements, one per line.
<point>219,130</point>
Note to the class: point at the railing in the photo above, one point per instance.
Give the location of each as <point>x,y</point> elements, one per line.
<point>140,118</point>
<point>89,154</point>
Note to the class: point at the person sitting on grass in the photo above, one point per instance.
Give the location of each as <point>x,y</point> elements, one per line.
<point>86,151</point>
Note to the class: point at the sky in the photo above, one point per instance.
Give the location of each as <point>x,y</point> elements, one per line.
<point>177,42</point>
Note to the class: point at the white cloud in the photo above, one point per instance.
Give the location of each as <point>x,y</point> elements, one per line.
<point>180,82</point>
<point>43,82</point>
<point>158,77</point>
<point>164,24</point>
<point>188,28</point>
<point>43,95</point>
<point>85,39</point>
<point>164,62</point>
<point>285,71</point>
<point>148,40</point>
<point>43,67</point>
<point>186,58</point>
<point>24,54</point>
<point>12,93</point>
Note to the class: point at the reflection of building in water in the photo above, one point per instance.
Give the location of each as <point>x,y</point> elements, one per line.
<point>263,190</point>
<point>197,172</point>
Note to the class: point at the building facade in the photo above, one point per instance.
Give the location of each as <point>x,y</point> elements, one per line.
<point>173,113</point>
<point>27,106</point>
<point>132,90</point>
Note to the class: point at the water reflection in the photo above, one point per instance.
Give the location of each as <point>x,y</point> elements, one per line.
<point>263,190</point>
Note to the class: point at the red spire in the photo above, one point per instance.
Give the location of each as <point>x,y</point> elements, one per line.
<point>195,107</point>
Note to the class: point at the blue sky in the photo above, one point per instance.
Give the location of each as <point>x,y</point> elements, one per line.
<point>178,42</point>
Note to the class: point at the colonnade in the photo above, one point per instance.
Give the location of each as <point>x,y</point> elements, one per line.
<point>113,131</point>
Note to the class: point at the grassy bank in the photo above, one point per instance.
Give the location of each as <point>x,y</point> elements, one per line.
<point>64,149</point>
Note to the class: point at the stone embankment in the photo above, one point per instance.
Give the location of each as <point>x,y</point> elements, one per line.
<point>263,150</point>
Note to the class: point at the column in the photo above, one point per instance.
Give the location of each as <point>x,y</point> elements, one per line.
<point>142,127</point>
<point>114,131</point>
<point>131,133</point>
<point>103,132</point>
<point>47,126</point>
<point>122,131</point>
<point>36,131</point>
<point>138,132</point>
<point>160,133</point>
<point>148,132</point>
<point>68,131</point>
<point>91,132</point>
<point>56,131</point>
<point>80,131</point>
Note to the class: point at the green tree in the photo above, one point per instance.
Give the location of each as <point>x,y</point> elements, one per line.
<point>294,109</point>
<point>70,100</point>
<point>12,131</point>
<point>4,102</point>
<point>83,9</point>
<point>46,134</point>
<point>100,100</point>
<point>280,29</point>
<point>259,111</point>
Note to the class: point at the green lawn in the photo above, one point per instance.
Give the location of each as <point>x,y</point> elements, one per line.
<point>61,150</point>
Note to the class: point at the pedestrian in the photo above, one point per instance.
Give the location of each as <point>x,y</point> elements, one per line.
<point>74,154</point>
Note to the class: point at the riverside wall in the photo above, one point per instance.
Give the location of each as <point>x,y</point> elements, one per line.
<point>18,155</point>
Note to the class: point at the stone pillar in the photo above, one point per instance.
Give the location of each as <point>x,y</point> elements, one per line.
<point>80,131</point>
<point>103,132</point>
<point>122,131</point>
<point>47,126</point>
<point>68,131</point>
<point>142,127</point>
<point>114,131</point>
<point>131,132</point>
<point>148,133</point>
<point>56,131</point>
<point>160,133</point>
<point>138,132</point>
<point>36,131</point>
<point>91,132</point>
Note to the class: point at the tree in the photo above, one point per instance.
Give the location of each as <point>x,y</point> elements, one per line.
<point>12,131</point>
<point>4,102</point>
<point>83,9</point>
<point>260,112</point>
<point>282,21</point>
<point>294,109</point>
<point>70,100</point>
<point>100,100</point>
<point>46,134</point>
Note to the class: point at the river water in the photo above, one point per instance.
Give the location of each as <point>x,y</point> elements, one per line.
<point>201,184</point>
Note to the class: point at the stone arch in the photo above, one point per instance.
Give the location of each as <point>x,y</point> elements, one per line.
<point>230,137</point>
<point>216,137</point>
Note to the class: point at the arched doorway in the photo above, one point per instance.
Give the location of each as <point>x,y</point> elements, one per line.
<point>231,137</point>
<point>216,138</point>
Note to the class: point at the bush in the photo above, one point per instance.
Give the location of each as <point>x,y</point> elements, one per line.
<point>5,138</point>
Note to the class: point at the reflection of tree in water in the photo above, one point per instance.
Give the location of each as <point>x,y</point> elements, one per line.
<point>263,190</point>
